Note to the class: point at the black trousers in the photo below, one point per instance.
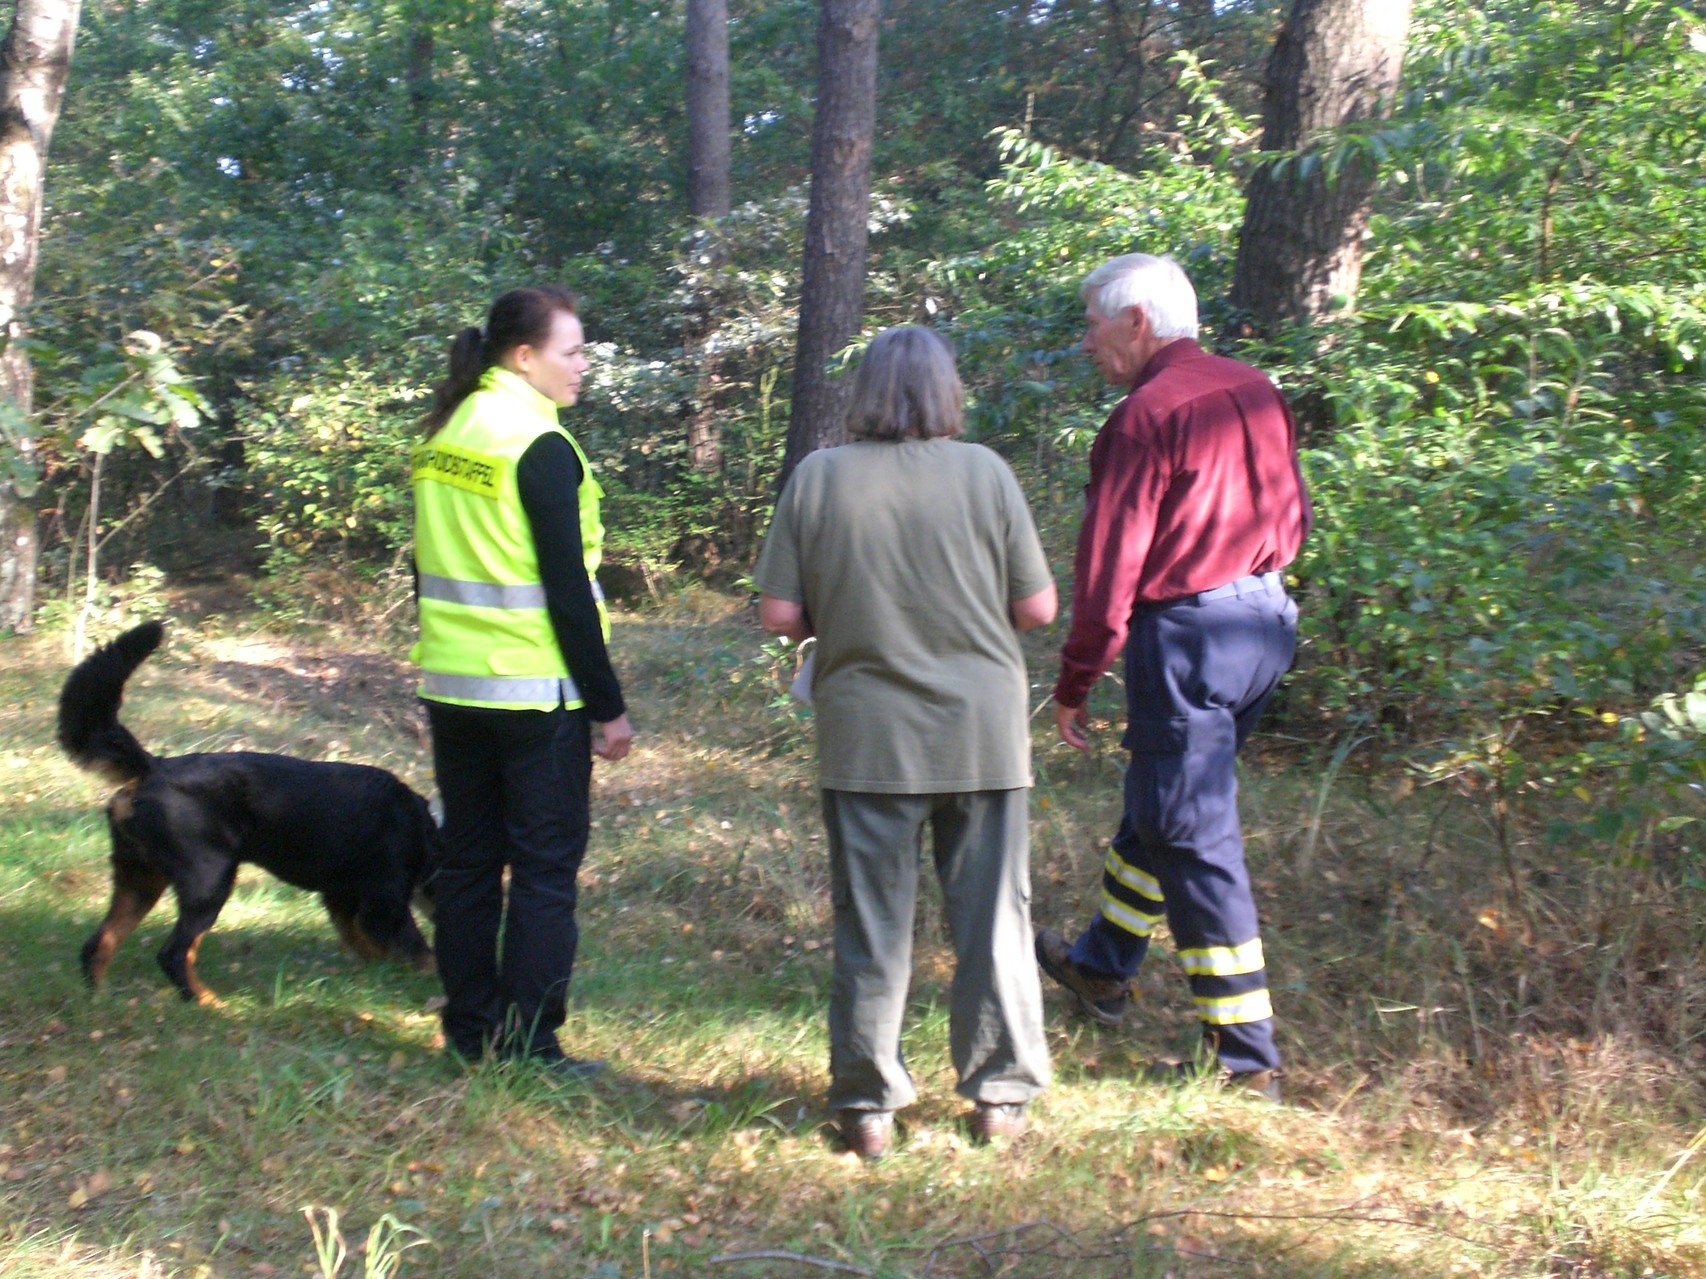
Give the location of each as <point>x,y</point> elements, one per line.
<point>515,789</point>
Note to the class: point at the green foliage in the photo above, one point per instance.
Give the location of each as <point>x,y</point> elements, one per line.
<point>331,464</point>
<point>135,395</point>
<point>121,399</point>
<point>1558,141</point>
<point>1507,503</point>
<point>305,198</point>
<point>1504,445</point>
<point>1104,81</point>
<point>18,449</point>
<point>117,603</point>
<point>1504,441</point>
<point>1014,308</point>
<point>1485,533</point>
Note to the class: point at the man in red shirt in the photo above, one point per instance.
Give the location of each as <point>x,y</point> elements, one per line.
<point>1195,504</point>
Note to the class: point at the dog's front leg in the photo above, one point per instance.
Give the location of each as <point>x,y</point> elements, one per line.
<point>177,961</point>
<point>196,917</point>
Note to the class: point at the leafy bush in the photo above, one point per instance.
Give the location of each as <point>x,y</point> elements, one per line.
<point>1505,443</point>
<point>327,452</point>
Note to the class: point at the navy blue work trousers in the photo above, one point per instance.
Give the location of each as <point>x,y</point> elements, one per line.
<point>515,787</point>
<point>1198,673</point>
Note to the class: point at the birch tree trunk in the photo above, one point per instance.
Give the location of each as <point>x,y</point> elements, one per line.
<point>35,61</point>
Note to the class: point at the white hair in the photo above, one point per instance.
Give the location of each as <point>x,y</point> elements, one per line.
<point>1159,287</point>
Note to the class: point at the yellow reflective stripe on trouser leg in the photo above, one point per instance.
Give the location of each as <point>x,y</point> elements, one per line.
<point>1234,1010</point>
<point>1130,920</point>
<point>1131,899</point>
<point>1138,881</point>
<point>1223,961</point>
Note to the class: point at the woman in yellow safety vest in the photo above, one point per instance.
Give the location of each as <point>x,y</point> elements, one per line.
<point>515,671</point>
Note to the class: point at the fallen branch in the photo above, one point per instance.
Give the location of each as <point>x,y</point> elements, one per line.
<point>776,1254</point>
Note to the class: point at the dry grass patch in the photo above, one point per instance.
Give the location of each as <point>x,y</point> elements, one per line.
<point>1480,1084</point>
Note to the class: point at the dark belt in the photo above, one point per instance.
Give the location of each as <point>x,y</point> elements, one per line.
<point>1269,583</point>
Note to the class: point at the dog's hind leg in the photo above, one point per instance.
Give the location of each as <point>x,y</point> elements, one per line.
<point>197,913</point>
<point>136,887</point>
<point>350,930</point>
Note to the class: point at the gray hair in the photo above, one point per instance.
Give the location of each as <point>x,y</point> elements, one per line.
<point>906,388</point>
<point>1158,287</point>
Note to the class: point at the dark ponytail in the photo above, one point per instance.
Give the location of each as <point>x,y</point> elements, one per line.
<point>521,317</point>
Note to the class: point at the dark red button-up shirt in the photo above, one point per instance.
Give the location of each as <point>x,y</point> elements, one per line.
<point>1194,483</point>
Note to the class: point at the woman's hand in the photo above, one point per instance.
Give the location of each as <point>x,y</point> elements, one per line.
<point>784,618</point>
<point>611,739</point>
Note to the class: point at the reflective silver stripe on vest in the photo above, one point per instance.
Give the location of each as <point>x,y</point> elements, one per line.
<point>499,689</point>
<point>453,590</point>
<point>481,594</point>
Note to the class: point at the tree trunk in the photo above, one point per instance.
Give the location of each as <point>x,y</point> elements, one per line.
<point>1335,65</point>
<point>708,107</point>
<point>707,197</point>
<point>832,285</point>
<point>34,63</point>
<point>421,49</point>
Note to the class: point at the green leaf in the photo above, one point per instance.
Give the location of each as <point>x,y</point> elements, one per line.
<point>103,436</point>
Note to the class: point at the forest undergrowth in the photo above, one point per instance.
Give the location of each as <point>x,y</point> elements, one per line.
<point>1495,1053</point>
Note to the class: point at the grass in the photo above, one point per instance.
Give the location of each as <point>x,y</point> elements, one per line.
<point>1478,1084</point>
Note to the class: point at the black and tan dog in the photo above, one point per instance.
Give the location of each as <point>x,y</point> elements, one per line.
<point>354,834</point>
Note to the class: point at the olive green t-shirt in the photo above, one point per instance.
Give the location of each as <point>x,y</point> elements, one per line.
<point>906,556</point>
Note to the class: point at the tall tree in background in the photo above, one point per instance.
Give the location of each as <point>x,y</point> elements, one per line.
<point>832,284</point>
<point>34,63</point>
<point>707,197</point>
<point>708,108</point>
<point>1336,64</point>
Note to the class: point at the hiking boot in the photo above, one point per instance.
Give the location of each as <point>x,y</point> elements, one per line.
<point>1263,1083</point>
<point>866,1132</point>
<point>1102,999</point>
<point>557,1065</point>
<point>997,1120</point>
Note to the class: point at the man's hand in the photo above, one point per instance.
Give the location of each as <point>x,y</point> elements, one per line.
<point>1073,724</point>
<point>612,739</point>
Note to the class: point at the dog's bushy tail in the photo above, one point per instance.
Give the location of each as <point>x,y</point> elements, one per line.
<point>88,707</point>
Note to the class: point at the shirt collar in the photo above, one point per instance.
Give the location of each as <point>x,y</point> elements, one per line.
<point>499,378</point>
<point>1175,351</point>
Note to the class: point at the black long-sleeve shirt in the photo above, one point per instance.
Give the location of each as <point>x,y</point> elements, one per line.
<point>548,480</point>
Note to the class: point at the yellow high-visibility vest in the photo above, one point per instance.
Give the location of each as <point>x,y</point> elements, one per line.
<point>486,637</point>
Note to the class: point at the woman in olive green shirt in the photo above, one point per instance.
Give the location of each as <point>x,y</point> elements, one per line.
<point>913,559</point>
